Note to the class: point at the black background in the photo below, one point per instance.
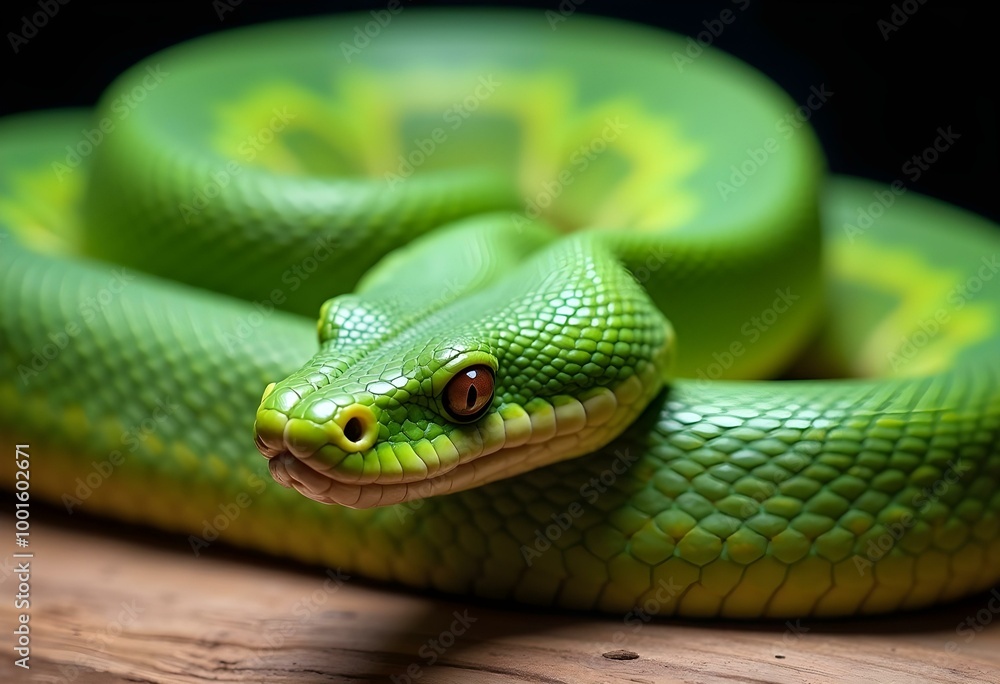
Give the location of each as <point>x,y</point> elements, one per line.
<point>939,69</point>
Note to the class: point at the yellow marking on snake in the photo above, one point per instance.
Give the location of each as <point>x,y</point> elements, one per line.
<point>38,211</point>
<point>589,173</point>
<point>927,298</point>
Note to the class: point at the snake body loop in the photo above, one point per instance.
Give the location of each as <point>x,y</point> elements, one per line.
<point>554,275</point>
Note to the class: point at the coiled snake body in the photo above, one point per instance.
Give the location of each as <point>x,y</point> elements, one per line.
<point>505,216</point>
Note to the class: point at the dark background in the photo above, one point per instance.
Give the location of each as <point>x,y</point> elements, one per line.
<point>892,88</point>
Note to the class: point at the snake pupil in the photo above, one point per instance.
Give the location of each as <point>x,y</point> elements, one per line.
<point>468,395</point>
<point>353,430</point>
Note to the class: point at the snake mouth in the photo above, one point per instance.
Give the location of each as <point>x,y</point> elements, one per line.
<point>509,440</point>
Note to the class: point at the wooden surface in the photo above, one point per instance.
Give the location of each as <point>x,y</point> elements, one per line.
<point>117,604</point>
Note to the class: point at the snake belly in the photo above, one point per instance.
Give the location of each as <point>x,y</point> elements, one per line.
<point>631,244</point>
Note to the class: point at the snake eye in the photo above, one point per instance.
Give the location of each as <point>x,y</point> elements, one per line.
<point>469,393</point>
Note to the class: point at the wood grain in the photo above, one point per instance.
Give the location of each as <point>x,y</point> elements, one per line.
<point>118,604</point>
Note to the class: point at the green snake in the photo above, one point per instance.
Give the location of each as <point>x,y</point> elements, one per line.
<point>557,265</point>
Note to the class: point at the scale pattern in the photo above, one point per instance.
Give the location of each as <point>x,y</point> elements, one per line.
<point>721,498</point>
<point>756,499</point>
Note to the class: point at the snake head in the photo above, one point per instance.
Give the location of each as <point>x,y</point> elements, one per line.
<point>547,364</point>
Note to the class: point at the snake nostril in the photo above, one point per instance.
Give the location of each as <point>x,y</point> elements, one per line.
<point>354,430</point>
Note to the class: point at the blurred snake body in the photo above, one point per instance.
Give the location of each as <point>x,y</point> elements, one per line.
<point>561,268</point>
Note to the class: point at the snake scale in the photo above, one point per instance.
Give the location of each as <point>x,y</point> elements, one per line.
<point>557,270</point>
